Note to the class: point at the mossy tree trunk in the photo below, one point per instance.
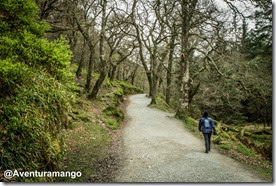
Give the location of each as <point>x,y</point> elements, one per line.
<point>81,63</point>
<point>113,72</point>
<point>134,74</point>
<point>90,68</point>
<point>91,44</point>
<point>170,65</point>
<point>154,90</point>
<point>97,86</point>
<point>187,8</point>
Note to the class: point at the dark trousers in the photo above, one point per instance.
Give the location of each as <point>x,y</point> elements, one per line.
<point>207,139</point>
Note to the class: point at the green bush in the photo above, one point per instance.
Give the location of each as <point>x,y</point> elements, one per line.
<point>36,90</point>
<point>53,57</point>
<point>34,108</point>
<point>18,16</point>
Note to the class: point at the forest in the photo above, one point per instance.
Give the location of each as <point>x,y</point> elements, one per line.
<point>64,63</point>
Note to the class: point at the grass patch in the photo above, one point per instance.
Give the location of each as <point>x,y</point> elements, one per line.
<point>128,88</point>
<point>264,173</point>
<point>112,92</point>
<point>111,123</point>
<point>86,143</point>
<point>81,115</point>
<point>192,125</point>
<point>110,99</point>
<point>88,139</point>
<point>161,104</point>
<point>246,151</point>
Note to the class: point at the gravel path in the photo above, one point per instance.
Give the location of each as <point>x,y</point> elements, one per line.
<point>157,148</point>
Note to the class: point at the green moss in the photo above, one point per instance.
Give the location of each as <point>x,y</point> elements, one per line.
<point>161,104</point>
<point>111,95</point>
<point>84,118</point>
<point>128,88</point>
<point>113,111</point>
<point>113,91</point>
<point>191,121</point>
<point>80,114</point>
<point>112,116</point>
<point>95,75</point>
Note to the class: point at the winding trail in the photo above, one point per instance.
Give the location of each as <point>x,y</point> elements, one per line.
<point>158,148</point>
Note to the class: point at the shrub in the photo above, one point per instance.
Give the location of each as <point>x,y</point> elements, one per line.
<point>34,109</point>
<point>36,90</point>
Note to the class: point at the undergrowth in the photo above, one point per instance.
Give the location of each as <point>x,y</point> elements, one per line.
<point>86,142</point>
<point>89,139</point>
<point>37,91</point>
<point>161,104</point>
<point>111,97</point>
<point>112,116</point>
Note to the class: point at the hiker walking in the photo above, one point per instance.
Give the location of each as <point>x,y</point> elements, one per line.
<point>207,126</point>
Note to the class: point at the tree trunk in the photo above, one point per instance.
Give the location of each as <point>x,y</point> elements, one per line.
<point>90,68</point>
<point>97,86</point>
<point>192,92</point>
<point>113,72</point>
<point>79,70</point>
<point>187,13</point>
<point>160,84</point>
<point>73,42</point>
<point>169,71</point>
<point>184,89</point>
<point>118,74</point>
<point>100,80</point>
<point>150,83</point>
<point>154,90</point>
<point>134,74</point>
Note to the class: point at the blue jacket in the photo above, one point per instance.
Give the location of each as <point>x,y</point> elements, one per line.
<point>206,125</point>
